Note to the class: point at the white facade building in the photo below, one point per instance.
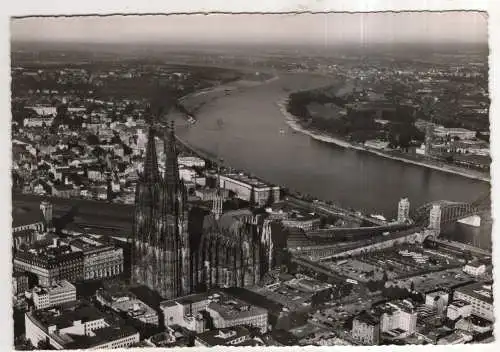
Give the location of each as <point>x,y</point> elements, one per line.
<point>459,308</point>
<point>399,315</point>
<point>480,297</point>
<point>55,295</point>
<point>191,161</point>
<point>475,269</point>
<point>437,300</point>
<point>246,188</point>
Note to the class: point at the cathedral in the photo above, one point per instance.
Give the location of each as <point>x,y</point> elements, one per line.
<point>233,249</point>
<point>161,254</point>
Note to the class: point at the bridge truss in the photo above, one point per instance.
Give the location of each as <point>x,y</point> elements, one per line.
<point>452,211</point>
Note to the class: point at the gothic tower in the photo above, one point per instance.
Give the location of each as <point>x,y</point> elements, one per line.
<point>161,253</point>
<point>218,199</point>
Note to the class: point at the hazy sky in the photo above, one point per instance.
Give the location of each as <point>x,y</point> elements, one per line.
<point>306,28</point>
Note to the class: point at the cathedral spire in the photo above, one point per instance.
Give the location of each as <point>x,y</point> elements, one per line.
<point>218,199</point>
<point>151,173</point>
<point>171,164</point>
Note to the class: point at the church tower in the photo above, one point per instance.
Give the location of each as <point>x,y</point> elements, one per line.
<point>218,199</point>
<point>161,253</point>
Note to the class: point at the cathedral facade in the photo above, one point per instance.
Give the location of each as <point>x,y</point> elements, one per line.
<point>229,253</point>
<point>232,251</point>
<point>161,258</point>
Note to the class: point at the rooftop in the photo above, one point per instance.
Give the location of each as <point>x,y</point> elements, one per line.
<point>64,284</point>
<point>99,337</point>
<point>368,318</point>
<point>223,337</point>
<point>479,291</point>
<point>134,308</point>
<point>459,303</point>
<point>232,308</point>
<point>185,300</point>
<point>250,180</point>
<point>66,316</point>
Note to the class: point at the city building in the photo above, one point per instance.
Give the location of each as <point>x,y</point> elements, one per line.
<point>20,282</point>
<point>137,310</point>
<point>95,173</point>
<point>235,336</point>
<point>50,264</point>
<point>306,222</point>
<point>437,300</point>
<point>43,110</point>
<point>480,296</point>
<point>186,312</point>
<point>458,309</point>
<point>455,338</point>
<point>400,315</point>
<point>474,324</point>
<point>228,311</point>
<point>38,121</point>
<point>250,189</point>
<point>209,194</point>
<point>64,191</point>
<point>475,269</point>
<point>161,249</point>
<point>57,294</point>
<point>403,210</point>
<point>188,174</point>
<point>79,326</point>
<point>191,161</point>
<point>111,295</point>
<point>461,133</point>
<point>366,329</point>
<point>100,260</point>
<point>173,336</point>
<point>221,308</point>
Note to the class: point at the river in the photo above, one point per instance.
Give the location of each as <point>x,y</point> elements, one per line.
<point>250,139</point>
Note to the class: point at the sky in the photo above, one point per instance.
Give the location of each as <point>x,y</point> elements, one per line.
<point>327,29</point>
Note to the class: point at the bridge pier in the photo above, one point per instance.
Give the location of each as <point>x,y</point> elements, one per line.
<point>435,218</point>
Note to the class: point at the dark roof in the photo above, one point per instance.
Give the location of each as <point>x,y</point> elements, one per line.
<point>255,299</point>
<point>368,318</point>
<point>459,303</point>
<point>478,291</point>
<point>79,311</point>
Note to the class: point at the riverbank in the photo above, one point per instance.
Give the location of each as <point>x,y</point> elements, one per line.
<point>224,89</point>
<point>294,123</point>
